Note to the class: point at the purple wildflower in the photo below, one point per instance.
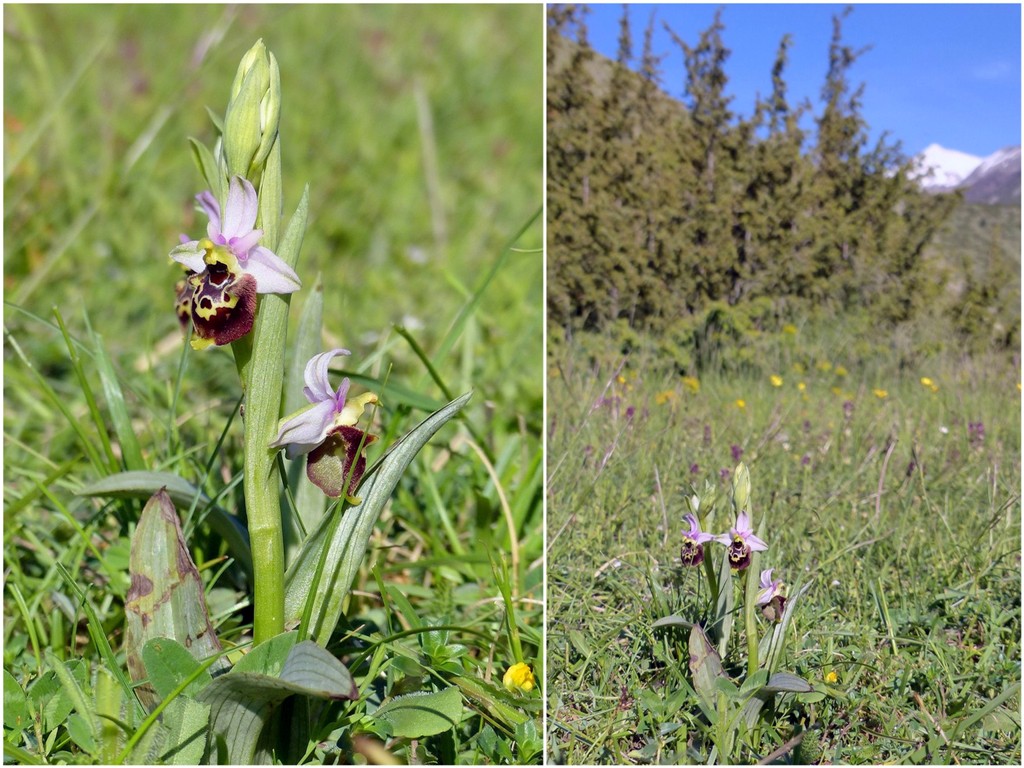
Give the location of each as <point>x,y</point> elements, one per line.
<point>742,542</point>
<point>692,551</point>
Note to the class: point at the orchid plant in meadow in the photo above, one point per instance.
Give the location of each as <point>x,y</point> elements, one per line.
<point>732,719</point>
<point>206,702</point>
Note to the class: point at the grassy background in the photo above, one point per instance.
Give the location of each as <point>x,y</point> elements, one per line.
<point>419,131</point>
<point>905,516</point>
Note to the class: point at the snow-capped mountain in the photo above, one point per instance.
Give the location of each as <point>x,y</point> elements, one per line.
<point>941,169</point>
<point>994,180</point>
<point>997,180</point>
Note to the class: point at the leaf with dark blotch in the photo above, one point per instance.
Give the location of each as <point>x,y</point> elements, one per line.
<point>705,666</point>
<point>142,485</point>
<point>166,596</point>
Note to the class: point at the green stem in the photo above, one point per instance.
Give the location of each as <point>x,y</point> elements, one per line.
<point>749,597</point>
<point>261,368</point>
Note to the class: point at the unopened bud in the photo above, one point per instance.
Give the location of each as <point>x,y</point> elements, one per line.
<point>253,113</point>
<point>741,487</point>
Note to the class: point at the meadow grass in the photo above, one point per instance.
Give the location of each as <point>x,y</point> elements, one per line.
<point>419,132</point>
<point>896,501</point>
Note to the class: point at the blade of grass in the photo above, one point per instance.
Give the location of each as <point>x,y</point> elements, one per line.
<point>113,394</point>
<point>58,403</point>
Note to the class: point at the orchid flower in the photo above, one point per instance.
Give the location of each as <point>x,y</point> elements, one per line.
<point>742,542</point>
<point>227,269</point>
<point>326,430</point>
<point>771,596</point>
<point>692,551</point>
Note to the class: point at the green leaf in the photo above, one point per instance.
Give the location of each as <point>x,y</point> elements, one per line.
<point>186,724</point>
<point>780,682</point>
<point>777,639</point>
<point>306,344</point>
<point>310,501</point>
<point>109,701</point>
<point>81,732</point>
<point>346,547</point>
<point>499,702</point>
<point>268,658</point>
<point>672,621</point>
<point>130,451</point>
<point>721,627</point>
<point>166,597</point>
<point>168,663</point>
<point>416,715</point>
<point>51,698</point>
<point>705,666</point>
<point>208,167</point>
<point>785,682</point>
<point>142,485</point>
<point>243,702</point>
<point>16,711</point>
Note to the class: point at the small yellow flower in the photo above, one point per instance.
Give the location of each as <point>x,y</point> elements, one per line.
<point>789,328</point>
<point>776,380</point>
<point>801,386</point>
<point>741,404</point>
<point>621,379</point>
<point>823,365</point>
<point>663,397</point>
<point>925,381</point>
<point>840,370</point>
<point>837,391</point>
<point>519,677</point>
<point>691,383</point>
<point>831,677</point>
<point>881,394</point>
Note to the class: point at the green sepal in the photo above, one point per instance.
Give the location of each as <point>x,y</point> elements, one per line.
<point>210,170</point>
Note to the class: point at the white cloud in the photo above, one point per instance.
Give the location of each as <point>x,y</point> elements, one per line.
<point>991,70</point>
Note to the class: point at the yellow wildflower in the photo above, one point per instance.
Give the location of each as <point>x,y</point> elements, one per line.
<point>663,397</point>
<point>798,368</point>
<point>519,677</point>
<point>925,381</point>
<point>741,404</point>
<point>881,394</point>
<point>621,379</point>
<point>840,370</point>
<point>801,386</point>
<point>831,677</point>
<point>837,391</point>
<point>789,328</point>
<point>691,383</point>
<point>823,365</point>
<point>776,380</point>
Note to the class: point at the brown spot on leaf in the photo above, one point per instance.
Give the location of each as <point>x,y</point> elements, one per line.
<point>140,587</point>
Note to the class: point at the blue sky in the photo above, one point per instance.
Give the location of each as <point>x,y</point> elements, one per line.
<point>946,74</point>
